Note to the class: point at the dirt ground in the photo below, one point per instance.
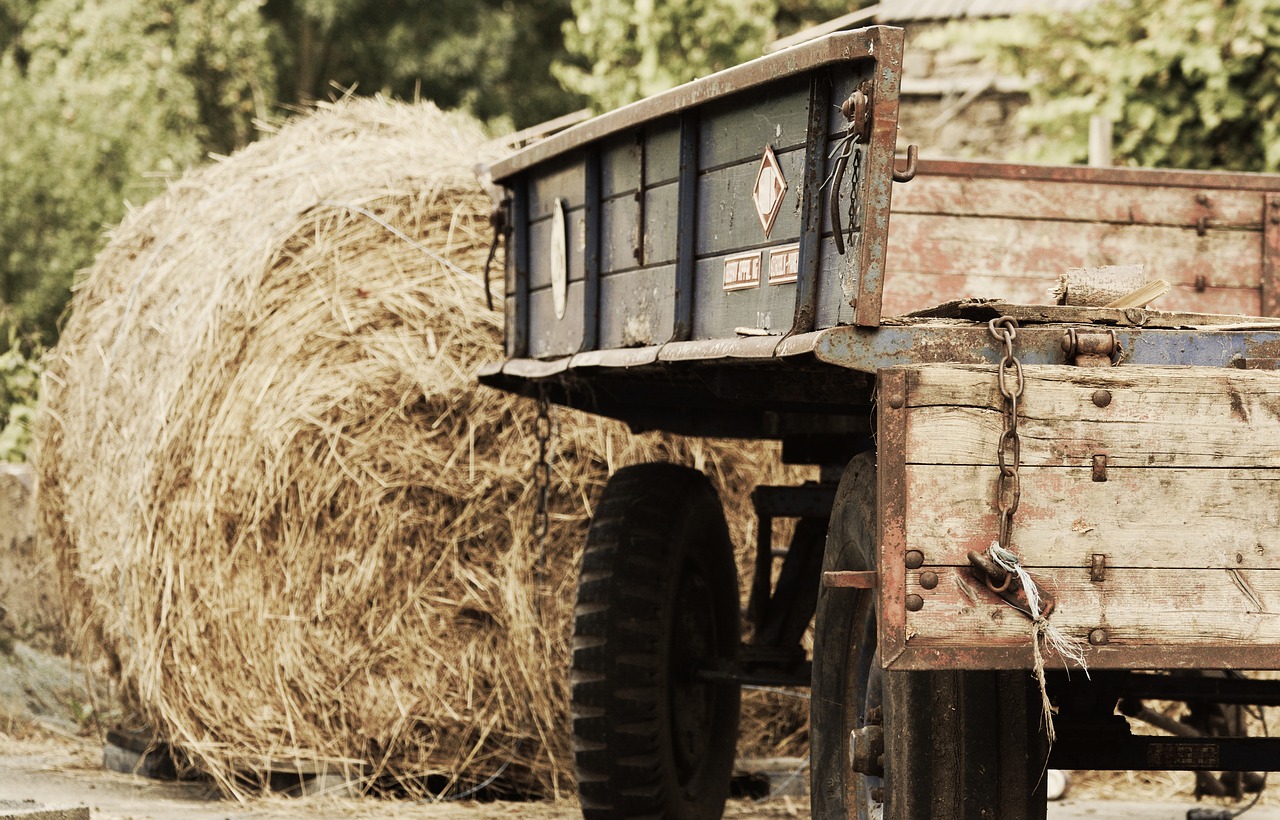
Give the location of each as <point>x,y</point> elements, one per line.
<point>63,770</point>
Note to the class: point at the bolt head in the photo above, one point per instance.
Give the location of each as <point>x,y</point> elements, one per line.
<point>1202,199</point>
<point>914,559</point>
<point>914,603</point>
<point>1099,637</point>
<point>929,579</point>
<point>1102,398</point>
<point>896,400</point>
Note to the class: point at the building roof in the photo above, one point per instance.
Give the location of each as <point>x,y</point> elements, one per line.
<point>909,11</point>
<point>897,11</point>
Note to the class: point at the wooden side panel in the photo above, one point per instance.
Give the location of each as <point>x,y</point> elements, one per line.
<point>640,307</point>
<point>727,215</point>
<point>1167,417</point>
<point>1078,202</point>
<point>1170,556</point>
<point>954,236</point>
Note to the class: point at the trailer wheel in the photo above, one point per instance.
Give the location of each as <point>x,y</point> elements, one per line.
<point>955,744</point>
<point>657,602</point>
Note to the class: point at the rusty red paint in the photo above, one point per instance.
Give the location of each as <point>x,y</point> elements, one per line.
<point>1115,176</point>
<point>892,497</point>
<point>1270,286</point>
<point>850,579</point>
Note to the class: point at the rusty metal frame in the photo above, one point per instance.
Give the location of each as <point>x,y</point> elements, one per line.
<point>1270,301</point>
<point>1146,177</point>
<point>878,174</point>
<point>868,43</point>
<point>891,518</point>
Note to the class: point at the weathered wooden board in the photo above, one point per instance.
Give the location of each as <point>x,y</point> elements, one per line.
<point>931,244</point>
<point>728,214</point>
<point>1079,201</point>
<point>1185,527</point>
<point>910,292</point>
<point>1168,518</point>
<point>643,313</point>
<point>1176,417</point>
<point>1208,619</point>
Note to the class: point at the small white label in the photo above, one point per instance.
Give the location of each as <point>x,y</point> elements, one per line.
<point>784,264</point>
<point>742,271</point>
<point>559,258</point>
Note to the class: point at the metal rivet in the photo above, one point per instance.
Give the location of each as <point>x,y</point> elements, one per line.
<point>914,603</point>
<point>1098,568</point>
<point>1202,199</point>
<point>1099,637</point>
<point>914,559</point>
<point>896,400</point>
<point>928,579</point>
<point>1102,397</point>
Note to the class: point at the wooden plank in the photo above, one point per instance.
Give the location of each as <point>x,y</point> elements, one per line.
<point>727,219</point>
<point>621,234</point>
<point>662,152</point>
<point>1075,201</point>
<point>640,308</point>
<point>908,291</point>
<point>565,178</point>
<point>661,224</point>
<point>549,336</point>
<point>1139,517</point>
<point>540,248</point>
<point>765,307</point>
<point>620,165</point>
<point>1175,610</point>
<point>733,132</point>
<point>1044,249</point>
<point>1173,417</point>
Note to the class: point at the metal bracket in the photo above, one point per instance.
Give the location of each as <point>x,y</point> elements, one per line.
<point>1091,348</point>
<point>1270,296</point>
<point>849,579</point>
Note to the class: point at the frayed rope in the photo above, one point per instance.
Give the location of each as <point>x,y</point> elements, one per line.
<point>1068,648</point>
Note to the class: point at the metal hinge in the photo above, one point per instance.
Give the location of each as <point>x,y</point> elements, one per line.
<point>1091,348</point>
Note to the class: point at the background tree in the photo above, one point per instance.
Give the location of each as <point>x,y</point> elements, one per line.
<point>627,49</point>
<point>1187,83</point>
<point>490,57</point>
<point>101,98</point>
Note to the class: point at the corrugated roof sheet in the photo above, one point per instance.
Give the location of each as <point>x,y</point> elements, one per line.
<point>895,11</point>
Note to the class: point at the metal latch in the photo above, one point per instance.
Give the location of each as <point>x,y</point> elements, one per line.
<point>1091,348</point>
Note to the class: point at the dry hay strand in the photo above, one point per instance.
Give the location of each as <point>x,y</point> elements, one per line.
<point>280,504</point>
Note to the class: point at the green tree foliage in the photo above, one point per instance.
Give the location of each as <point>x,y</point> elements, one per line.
<point>627,49</point>
<point>634,48</point>
<point>1187,83</point>
<point>491,57</point>
<point>99,97</point>
<point>19,387</point>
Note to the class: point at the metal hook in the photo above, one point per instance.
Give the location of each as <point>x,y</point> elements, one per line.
<point>913,158</point>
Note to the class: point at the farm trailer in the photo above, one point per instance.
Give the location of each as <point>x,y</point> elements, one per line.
<point>740,257</point>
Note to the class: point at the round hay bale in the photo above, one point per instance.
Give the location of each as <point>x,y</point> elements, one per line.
<point>281,506</point>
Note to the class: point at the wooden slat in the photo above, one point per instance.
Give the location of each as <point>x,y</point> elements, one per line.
<point>1175,417</point>
<point>1078,202</point>
<point>907,291</point>
<point>733,132</point>
<point>727,219</point>
<point>1173,609</point>
<point>1138,517</point>
<point>927,243</point>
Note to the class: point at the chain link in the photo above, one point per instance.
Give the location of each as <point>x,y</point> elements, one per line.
<point>542,431</point>
<point>855,186</point>
<point>1009,450</point>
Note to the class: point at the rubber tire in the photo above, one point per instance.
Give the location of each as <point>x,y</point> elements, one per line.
<point>657,596</point>
<point>957,744</point>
